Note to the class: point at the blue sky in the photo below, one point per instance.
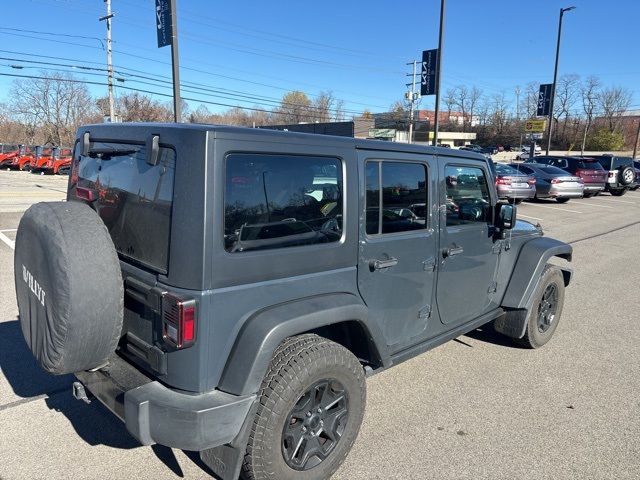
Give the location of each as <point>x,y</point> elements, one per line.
<point>356,49</point>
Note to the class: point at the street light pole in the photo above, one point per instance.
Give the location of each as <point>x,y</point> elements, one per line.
<point>438,74</point>
<point>555,77</point>
<point>175,65</point>
<point>635,144</point>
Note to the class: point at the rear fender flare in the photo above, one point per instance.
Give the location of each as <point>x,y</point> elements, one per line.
<point>265,330</point>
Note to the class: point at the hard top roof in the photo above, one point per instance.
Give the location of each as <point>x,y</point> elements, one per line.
<point>228,131</point>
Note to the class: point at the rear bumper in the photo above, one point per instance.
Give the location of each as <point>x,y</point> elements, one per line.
<point>154,413</point>
<point>593,187</point>
<point>566,192</point>
<point>506,192</point>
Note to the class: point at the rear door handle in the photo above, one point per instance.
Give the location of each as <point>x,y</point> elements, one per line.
<point>451,251</point>
<point>380,264</point>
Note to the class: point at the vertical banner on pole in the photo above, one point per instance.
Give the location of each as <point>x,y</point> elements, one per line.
<point>544,100</point>
<point>428,76</point>
<point>163,23</point>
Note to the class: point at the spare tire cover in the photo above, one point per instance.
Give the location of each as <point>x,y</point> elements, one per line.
<point>68,286</point>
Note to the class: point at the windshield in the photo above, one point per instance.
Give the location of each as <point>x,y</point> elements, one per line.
<point>133,198</point>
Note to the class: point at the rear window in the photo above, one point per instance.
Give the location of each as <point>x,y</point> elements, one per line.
<point>502,169</point>
<point>133,198</point>
<point>278,201</point>
<point>589,165</point>
<point>553,170</point>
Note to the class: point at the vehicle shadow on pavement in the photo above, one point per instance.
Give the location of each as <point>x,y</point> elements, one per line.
<point>489,335</point>
<point>93,423</point>
<point>21,370</point>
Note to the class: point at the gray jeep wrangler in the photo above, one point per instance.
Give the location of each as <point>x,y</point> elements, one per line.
<point>227,290</point>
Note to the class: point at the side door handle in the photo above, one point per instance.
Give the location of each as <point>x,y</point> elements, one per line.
<point>380,264</point>
<point>451,251</point>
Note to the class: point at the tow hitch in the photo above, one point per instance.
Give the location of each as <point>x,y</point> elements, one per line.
<point>79,393</point>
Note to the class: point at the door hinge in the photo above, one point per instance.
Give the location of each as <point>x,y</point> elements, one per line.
<point>424,312</point>
<point>493,287</point>
<point>429,265</point>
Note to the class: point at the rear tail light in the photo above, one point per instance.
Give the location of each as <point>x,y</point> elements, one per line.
<point>556,180</point>
<point>531,181</point>
<point>503,181</point>
<point>612,174</point>
<point>84,194</point>
<point>178,321</point>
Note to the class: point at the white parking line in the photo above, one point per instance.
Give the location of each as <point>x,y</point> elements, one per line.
<point>528,216</point>
<point>591,204</point>
<point>9,230</point>
<point>553,208</point>
<point>621,201</point>
<point>8,241</point>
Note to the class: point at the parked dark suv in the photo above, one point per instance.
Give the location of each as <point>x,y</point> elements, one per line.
<point>588,169</point>
<point>621,171</point>
<point>227,290</point>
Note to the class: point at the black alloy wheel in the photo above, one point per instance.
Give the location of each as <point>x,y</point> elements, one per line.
<point>547,308</point>
<point>315,424</point>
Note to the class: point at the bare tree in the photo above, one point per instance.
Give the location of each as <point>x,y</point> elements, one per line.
<point>137,107</point>
<point>461,97</point>
<point>567,95</point>
<point>613,102</point>
<point>529,102</point>
<point>499,112</point>
<point>475,95</point>
<point>589,94</point>
<point>55,105</point>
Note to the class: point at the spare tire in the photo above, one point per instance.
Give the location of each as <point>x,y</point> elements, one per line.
<point>68,286</point>
<point>626,176</point>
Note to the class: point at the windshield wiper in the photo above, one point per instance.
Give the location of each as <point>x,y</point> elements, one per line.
<point>108,153</point>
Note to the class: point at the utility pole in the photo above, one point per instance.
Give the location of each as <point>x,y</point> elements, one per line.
<point>635,145</point>
<point>413,97</point>
<point>108,18</point>
<point>439,73</point>
<point>555,77</point>
<point>518,103</point>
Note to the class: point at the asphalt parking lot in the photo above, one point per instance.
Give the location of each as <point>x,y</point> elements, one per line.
<point>474,408</point>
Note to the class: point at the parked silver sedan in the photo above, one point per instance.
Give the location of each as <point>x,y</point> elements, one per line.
<point>513,185</point>
<point>553,182</point>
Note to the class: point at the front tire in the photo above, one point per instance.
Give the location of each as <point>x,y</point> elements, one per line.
<point>311,406</point>
<point>618,192</point>
<point>546,309</point>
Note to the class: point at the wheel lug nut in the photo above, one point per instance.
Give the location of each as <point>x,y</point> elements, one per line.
<point>304,429</point>
<point>308,414</point>
<point>319,410</point>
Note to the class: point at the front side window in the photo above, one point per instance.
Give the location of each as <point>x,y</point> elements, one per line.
<point>402,206</point>
<point>468,198</point>
<point>277,201</point>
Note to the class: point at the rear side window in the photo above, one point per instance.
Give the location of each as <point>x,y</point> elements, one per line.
<point>553,170</point>
<point>589,165</point>
<point>277,201</point>
<point>468,199</point>
<point>133,198</point>
<point>400,206</point>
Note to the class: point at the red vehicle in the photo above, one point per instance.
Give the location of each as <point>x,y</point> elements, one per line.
<point>53,162</point>
<point>8,153</point>
<point>22,160</point>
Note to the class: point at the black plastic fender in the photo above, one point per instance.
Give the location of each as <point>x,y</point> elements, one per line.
<point>265,330</point>
<point>527,272</point>
<point>531,261</point>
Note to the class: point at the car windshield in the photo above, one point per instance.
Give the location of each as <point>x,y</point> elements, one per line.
<point>502,169</point>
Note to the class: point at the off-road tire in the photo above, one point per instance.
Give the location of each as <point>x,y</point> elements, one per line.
<point>533,337</point>
<point>618,192</point>
<point>298,363</point>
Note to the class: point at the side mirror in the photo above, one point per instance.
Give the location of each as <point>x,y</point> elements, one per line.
<point>506,217</point>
